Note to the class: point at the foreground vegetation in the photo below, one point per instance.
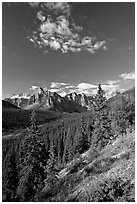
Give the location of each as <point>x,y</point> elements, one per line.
<point>82,157</point>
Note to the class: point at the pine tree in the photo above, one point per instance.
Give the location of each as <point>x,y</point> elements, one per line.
<point>82,139</point>
<point>100,98</point>
<point>119,115</point>
<point>50,171</point>
<point>32,163</point>
<point>33,123</point>
<point>84,131</point>
<point>102,132</point>
<point>50,167</point>
<point>68,149</point>
<point>10,177</point>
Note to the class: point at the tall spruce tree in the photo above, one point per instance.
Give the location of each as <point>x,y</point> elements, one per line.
<point>68,149</point>
<point>119,115</point>
<point>50,171</point>
<point>84,131</point>
<point>50,167</point>
<point>102,132</point>
<point>10,177</point>
<point>32,163</point>
<point>82,141</point>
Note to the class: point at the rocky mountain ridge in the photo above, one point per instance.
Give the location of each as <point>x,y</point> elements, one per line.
<point>44,99</point>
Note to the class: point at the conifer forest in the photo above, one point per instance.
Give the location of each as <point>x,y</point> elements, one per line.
<point>71,157</point>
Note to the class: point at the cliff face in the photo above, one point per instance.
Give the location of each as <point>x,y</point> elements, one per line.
<point>42,99</point>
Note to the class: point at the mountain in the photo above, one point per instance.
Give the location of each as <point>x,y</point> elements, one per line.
<point>42,99</point>
<point>128,95</point>
<point>6,105</point>
<point>19,100</point>
<point>81,99</point>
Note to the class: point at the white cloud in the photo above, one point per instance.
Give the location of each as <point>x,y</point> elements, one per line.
<point>61,33</point>
<point>111,82</point>
<point>34,87</point>
<point>55,45</point>
<point>84,86</point>
<point>70,87</point>
<point>126,76</point>
<point>48,27</point>
<point>32,40</point>
<point>57,84</point>
<point>54,90</point>
<point>40,16</point>
<point>98,45</point>
<point>58,7</point>
<point>110,89</point>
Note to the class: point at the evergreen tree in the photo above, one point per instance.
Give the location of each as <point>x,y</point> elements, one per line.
<point>78,138</point>
<point>10,177</point>
<point>32,163</point>
<point>119,115</point>
<point>84,131</point>
<point>50,171</point>
<point>100,98</point>
<point>82,139</point>
<point>102,132</point>
<point>68,149</point>
<point>33,123</point>
<point>50,167</point>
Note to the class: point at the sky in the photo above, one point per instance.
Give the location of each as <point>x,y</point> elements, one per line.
<point>66,47</point>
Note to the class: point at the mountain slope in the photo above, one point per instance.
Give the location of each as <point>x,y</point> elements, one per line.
<point>106,176</point>
<point>6,105</point>
<point>72,102</point>
<point>47,100</point>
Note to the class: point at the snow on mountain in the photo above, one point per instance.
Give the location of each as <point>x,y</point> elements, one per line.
<point>22,95</point>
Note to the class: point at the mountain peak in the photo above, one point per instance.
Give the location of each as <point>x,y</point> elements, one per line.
<point>44,99</point>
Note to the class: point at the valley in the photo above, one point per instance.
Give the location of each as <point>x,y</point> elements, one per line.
<point>72,161</point>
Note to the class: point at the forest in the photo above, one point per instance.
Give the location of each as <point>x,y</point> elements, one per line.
<point>55,161</point>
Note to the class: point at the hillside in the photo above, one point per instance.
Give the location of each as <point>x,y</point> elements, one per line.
<point>106,176</point>
<point>77,157</point>
<point>6,105</point>
<point>128,94</point>
<point>16,118</point>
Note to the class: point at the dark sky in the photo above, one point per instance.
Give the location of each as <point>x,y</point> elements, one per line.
<point>106,55</point>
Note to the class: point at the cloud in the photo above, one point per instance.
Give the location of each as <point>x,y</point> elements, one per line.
<point>110,88</point>
<point>58,7</point>
<point>128,76</point>
<point>34,88</point>
<point>54,90</point>
<point>40,16</point>
<point>61,32</point>
<point>55,45</point>
<point>111,82</point>
<point>58,84</point>
<point>86,86</point>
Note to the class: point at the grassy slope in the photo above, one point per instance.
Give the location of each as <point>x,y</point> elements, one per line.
<point>105,176</point>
